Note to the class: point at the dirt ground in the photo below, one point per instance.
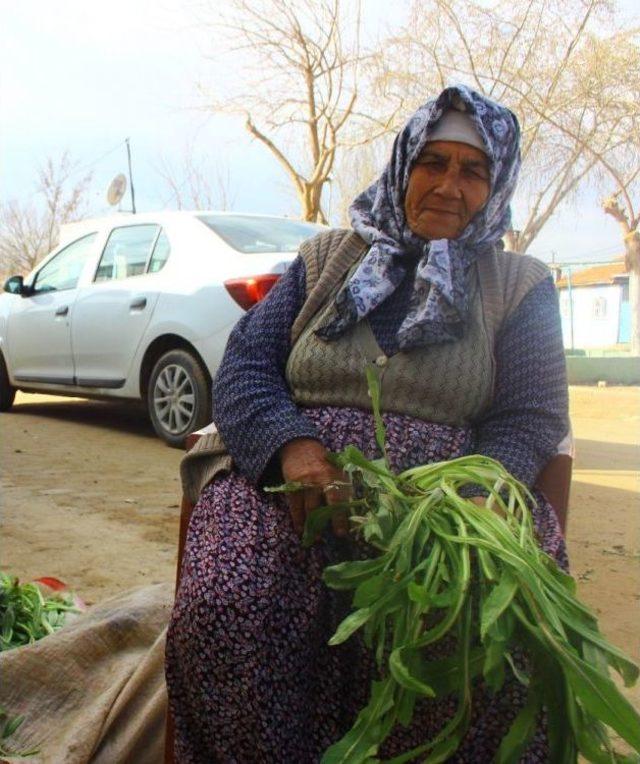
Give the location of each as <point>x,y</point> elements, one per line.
<point>91,496</point>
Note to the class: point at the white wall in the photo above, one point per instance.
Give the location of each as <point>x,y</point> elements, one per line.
<point>596,316</point>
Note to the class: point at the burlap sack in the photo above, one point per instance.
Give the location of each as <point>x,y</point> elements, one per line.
<point>94,691</point>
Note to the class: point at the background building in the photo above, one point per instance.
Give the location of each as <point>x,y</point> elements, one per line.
<point>594,305</point>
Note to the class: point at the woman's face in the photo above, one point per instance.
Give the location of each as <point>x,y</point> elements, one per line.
<point>448,184</point>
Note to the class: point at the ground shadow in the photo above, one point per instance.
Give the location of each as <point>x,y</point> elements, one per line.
<point>130,417</point>
<point>600,455</point>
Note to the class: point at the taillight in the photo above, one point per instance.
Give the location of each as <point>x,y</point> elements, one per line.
<point>248,291</point>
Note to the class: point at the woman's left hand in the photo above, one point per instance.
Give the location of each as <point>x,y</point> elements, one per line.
<point>304,460</point>
<point>481,501</point>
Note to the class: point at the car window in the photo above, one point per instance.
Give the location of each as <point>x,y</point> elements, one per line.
<point>126,252</point>
<point>160,254</point>
<point>63,271</point>
<point>261,234</point>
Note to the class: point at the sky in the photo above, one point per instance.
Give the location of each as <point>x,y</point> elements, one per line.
<point>83,75</point>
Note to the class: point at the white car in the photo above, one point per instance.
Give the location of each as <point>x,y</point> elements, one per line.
<point>140,307</point>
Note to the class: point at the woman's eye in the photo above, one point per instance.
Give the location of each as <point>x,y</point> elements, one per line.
<point>432,164</point>
<point>476,173</point>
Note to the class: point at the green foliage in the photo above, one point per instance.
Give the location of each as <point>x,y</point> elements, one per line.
<point>447,566</point>
<point>26,615</point>
<point>8,726</point>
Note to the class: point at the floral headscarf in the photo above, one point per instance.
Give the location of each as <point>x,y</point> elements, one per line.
<point>438,306</point>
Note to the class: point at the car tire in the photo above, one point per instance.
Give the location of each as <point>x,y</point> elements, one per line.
<point>178,397</point>
<point>7,390</point>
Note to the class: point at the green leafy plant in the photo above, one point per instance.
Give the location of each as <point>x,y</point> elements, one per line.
<point>26,615</point>
<point>446,566</point>
<point>8,726</point>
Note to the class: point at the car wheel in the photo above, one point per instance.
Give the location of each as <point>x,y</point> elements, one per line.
<point>178,397</point>
<point>7,390</point>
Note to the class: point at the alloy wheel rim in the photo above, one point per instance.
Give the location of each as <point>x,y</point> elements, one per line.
<point>174,399</point>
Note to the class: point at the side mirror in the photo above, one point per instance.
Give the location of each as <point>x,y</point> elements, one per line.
<point>15,285</point>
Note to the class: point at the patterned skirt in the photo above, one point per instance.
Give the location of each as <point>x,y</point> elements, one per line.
<point>249,673</point>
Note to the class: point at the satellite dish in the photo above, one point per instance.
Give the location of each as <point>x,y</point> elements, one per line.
<point>116,189</point>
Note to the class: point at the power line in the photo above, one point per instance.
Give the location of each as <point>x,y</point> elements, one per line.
<point>77,170</point>
<point>604,250</point>
<point>580,256</point>
<point>95,161</point>
<point>584,263</point>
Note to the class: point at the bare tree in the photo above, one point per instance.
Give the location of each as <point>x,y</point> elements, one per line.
<point>620,207</point>
<point>356,169</point>
<point>299,85</point>
<point>30,230</point>
<point>542,58</point>
<point>623,172</point>
<point>198,182</point>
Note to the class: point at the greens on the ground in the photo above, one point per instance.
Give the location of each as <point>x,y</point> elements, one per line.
<point>26,615</point>
<point>447,566</point>
<point>8,726</point>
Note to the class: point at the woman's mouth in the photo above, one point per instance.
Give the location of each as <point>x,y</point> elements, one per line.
<point>442,212</point>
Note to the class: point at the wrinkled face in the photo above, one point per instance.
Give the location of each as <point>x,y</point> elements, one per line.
<point>448,184</point>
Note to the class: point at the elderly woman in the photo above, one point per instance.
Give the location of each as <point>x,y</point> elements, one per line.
<point>467,339</point>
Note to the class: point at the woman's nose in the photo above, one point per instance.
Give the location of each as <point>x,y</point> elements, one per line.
<point>450,185</point>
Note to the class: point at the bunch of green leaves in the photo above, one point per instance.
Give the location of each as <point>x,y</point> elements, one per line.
<point>8,726</point>
<point>447,566</point>
<point>27,615</point>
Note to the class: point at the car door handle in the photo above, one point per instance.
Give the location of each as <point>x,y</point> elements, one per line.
<point>139,304</point>
<point>63,311</point>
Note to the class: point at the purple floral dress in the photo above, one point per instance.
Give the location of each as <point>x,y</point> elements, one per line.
<point>249,672</point>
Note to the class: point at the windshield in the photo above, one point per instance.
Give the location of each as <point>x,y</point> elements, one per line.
<point>260,234</point>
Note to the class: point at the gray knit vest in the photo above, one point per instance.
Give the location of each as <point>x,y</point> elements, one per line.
<point>450,383</point>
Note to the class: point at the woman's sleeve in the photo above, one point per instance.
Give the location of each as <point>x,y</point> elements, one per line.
<point>529,414</point>
<point>252,405</point>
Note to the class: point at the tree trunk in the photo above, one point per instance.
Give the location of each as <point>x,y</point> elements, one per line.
<point>631,237</point>
<point>632,262</point>
<point>634,304</point>
<point>310,201</point>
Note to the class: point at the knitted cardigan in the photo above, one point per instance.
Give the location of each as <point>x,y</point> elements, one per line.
<point>256,414</point>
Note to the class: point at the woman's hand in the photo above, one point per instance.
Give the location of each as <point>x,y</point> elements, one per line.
<point>481,501</point>
<point>305,460</point>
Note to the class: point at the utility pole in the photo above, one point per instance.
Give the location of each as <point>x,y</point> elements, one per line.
<point>570,295</point>
<point>555,269</point>
<point>133,193</point>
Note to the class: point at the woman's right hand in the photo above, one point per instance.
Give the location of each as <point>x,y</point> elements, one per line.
<point>305,460</point>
